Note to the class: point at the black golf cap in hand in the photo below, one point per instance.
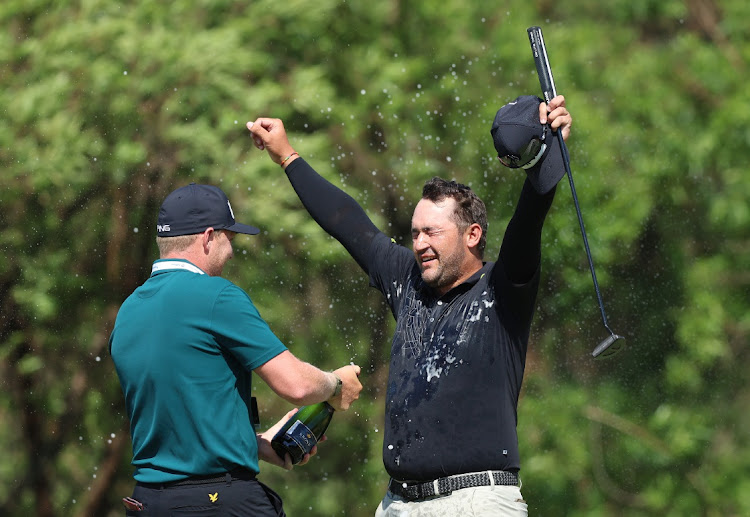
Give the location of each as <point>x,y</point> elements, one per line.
<point>194,208</point>
<point>523,142</point>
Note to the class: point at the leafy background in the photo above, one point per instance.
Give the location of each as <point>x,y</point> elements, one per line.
<point>107,106</point>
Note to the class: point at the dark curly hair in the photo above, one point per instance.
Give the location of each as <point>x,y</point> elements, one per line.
<point>469,208</point>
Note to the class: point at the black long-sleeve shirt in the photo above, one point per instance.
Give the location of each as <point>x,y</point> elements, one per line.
<point>457,360</point>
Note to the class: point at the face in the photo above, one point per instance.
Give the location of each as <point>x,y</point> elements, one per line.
<point>221,251</point>
<point>438,244</point>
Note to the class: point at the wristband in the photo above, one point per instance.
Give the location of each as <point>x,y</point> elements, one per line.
<point>287,158</point>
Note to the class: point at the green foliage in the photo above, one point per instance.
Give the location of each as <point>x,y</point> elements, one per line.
<point>108,106</point>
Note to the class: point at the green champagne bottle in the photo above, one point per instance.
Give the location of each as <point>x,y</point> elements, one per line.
<point>302,431</point>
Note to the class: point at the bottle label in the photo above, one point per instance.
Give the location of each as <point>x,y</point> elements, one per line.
<point>300,434</point>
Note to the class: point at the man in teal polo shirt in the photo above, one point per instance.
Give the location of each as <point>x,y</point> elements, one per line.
<point>185,344</point>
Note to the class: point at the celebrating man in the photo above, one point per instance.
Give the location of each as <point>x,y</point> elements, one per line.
<point>462,324</point>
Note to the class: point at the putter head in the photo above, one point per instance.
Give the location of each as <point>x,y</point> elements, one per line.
<point>609,346</point>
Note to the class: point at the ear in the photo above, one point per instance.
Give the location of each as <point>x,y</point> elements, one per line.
<point>207,239</point>
<point>473,235</point>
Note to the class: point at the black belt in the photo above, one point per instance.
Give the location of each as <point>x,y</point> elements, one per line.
<point>444,486</point>
<point>236,474</point>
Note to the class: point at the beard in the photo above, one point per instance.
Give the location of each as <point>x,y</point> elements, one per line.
<point>446,273</point>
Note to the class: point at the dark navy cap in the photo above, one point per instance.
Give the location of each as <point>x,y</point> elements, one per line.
<point>193,208</point>
<point>515,125</point>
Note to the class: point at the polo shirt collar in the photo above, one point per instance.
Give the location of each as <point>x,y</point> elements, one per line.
<point>173,264</point>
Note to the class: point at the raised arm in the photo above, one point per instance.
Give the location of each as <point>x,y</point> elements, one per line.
<point>332,208</point>
<point>520,252</point>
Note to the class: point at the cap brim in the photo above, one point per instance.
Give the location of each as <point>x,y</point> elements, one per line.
<point>243,228</point>
<point>551,168</point>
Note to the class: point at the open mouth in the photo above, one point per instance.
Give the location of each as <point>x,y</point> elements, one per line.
<point>427,259</point>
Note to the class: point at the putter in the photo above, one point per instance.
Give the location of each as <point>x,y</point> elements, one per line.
<point>605,348</point>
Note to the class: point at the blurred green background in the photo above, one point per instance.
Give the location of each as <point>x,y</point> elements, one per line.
<point>107,106</point>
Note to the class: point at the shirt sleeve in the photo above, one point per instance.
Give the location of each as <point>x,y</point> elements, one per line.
<point>334,210</point>
<point>241,330</point>
<point>516,274</point>
<point>521,250</point>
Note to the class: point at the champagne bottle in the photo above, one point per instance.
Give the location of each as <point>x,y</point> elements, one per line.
<point>302,431</point>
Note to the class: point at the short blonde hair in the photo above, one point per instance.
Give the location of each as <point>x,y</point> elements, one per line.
<point>169,245</point>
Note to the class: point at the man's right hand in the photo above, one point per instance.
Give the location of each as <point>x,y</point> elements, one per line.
<point>269,134</point>
<point>350,387</point>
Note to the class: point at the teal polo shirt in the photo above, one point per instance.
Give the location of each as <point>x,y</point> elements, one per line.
<point>184,346</point>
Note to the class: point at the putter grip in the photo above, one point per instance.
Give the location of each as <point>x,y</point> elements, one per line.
<point>541,61</point>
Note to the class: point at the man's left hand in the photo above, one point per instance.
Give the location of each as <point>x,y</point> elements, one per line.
<point>266,452</point>
<point>557,115</point>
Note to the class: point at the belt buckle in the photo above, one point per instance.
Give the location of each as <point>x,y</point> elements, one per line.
<point>407,491</point>
<point>398,487</point>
